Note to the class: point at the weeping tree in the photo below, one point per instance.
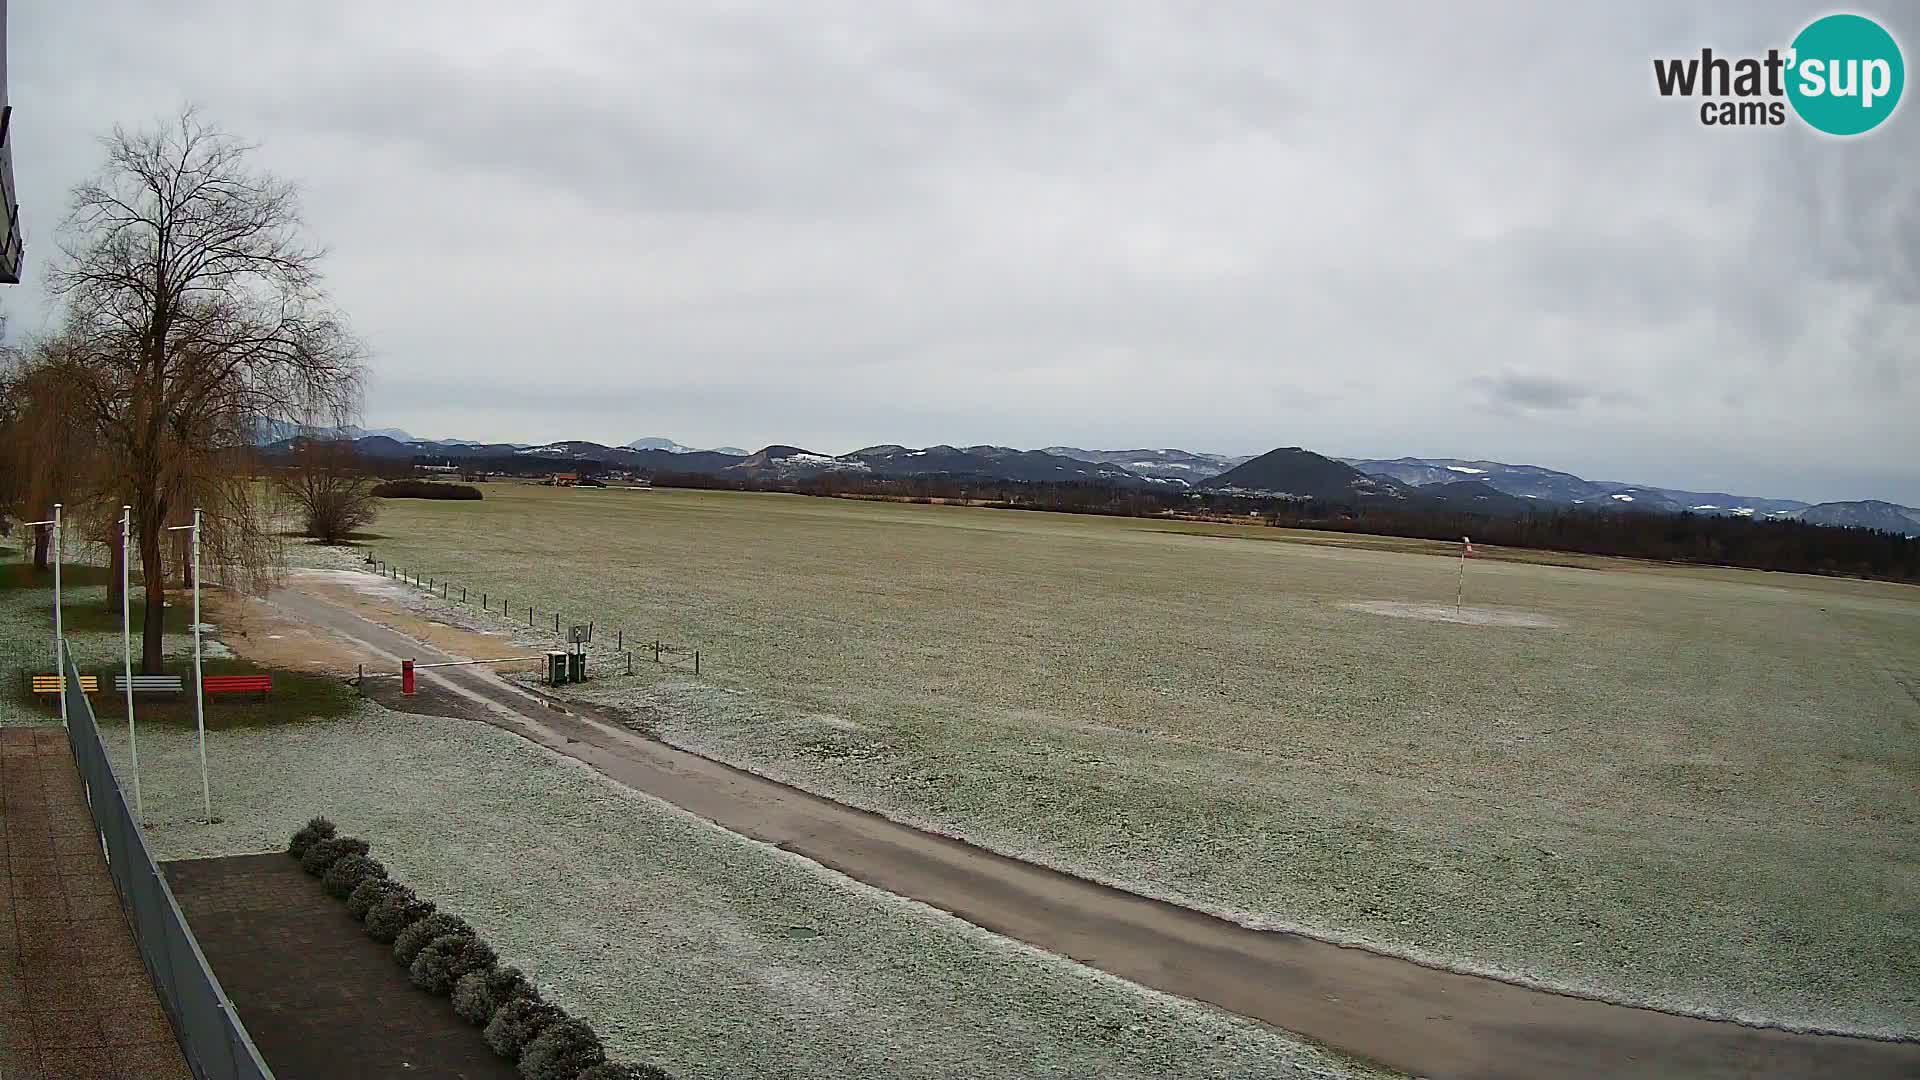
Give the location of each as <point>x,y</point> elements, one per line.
<point>194,314</point>
<point>58,454</point>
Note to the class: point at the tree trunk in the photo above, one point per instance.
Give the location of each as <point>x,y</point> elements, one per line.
<point>183,551</point>
<point>153,623</point>
<point>42,540</point>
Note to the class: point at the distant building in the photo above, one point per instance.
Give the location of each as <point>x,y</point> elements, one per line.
<point>565,479</point>
<point>12,248</point>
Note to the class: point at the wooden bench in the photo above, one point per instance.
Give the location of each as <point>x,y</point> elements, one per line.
<point>150,684</point>
<point>55,684</point>
<point>237,684</point>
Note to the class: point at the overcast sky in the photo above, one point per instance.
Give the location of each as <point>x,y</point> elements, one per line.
<point>1219,226</point>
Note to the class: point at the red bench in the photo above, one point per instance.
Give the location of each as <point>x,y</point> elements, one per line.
<point>237,684</point>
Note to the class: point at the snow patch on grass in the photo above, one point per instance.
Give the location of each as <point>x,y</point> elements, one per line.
<point>1470,616</point>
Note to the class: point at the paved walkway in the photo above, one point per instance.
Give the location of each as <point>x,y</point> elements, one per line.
<point>1416,1019</point>
<point>75,1000</point>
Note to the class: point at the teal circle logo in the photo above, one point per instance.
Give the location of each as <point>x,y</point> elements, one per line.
<point>1846,74</point>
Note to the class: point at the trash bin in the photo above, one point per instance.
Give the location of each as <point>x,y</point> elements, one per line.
<point>577,665</point>
<point>556,667</point>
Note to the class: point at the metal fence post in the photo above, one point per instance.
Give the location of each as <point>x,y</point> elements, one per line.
<point>696,661</point>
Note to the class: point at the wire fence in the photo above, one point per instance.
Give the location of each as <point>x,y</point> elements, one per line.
<point>626,647</point>
<point>216,1044</point>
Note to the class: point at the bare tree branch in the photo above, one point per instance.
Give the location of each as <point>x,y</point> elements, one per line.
<point>194,313</point>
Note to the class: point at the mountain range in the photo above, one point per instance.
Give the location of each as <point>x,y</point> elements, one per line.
<point>1474,485</point>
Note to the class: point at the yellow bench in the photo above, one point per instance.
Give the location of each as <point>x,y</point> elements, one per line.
<point>54,684</point>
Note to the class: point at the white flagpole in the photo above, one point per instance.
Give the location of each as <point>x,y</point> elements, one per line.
<point>199,707</point>
<point>126,649</point>
<point>1460,586</point>
<point>199,713</point>
<point>59,640</point>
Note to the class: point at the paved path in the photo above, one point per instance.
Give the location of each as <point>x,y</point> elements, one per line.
<point>75,999</point>
<point>1412,1018</point>
<point>321,999</point>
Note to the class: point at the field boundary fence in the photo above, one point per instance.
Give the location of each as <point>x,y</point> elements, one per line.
<point>214,1041</point>
<point>628,649</point>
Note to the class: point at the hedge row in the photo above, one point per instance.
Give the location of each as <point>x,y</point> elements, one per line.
<point>424,489</point>
<point>444,956</point>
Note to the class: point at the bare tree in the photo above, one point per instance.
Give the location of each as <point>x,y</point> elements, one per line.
<point>325,482</point>
<point>195,312</point>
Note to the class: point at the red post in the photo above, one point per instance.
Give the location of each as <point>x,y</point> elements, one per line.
<point>406,676</point>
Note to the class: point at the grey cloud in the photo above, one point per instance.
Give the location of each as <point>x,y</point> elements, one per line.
<point>1525,391</point>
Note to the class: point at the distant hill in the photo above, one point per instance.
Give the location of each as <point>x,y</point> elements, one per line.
<point>269,432</point>
<point>1564,488</point>
<point>655,442</point>
<point>1302,474</point>
<point>895,461</point>
<point>1865,514</point>
<point>998,463</point>
<point>1524,481</point>
<point>1473,496</point>
<point>782,460</point>
<point>1169,464</point>
<point>382,446</point>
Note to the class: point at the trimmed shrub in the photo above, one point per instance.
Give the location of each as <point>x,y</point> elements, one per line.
<point>560,1051</point>
<point>424,489</point>
<point>311,833</point>
<point>622,1070</point>
<point>518,1022</point>
<point>446,959</point>
<point>394,912</point>
<point>470,1000</point>
<point>408,943</point>
<point>347,872</point>
<point>369,892</point>
<point>322,854</point>
<point>478,994</point>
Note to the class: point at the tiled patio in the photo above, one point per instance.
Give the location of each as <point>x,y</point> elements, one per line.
<point>75,1001</point>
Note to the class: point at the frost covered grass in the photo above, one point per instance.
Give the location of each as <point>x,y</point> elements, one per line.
<point>682,944</point>
<point>1685,787</point>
